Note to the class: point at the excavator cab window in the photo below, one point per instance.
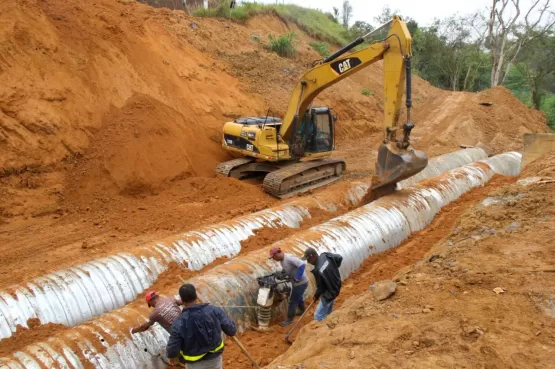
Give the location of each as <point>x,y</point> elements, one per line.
<point>320,132</point>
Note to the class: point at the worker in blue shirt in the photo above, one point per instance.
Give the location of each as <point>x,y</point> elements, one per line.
<point>196,336</point>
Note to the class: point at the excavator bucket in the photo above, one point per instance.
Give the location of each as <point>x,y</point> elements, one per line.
<point>393,166</point>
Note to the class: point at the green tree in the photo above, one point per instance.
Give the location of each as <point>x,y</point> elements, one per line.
<point>548,107</point>
<point>336,14</point>
<point>450,56</point>
<point>360,28</point>
<point>508,32</point>
<point>346,13</point>
<point>386,15</point>
<point>536,64</point>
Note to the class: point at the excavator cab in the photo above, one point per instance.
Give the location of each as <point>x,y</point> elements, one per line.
<point>315,135</point>
<point>320,131</point>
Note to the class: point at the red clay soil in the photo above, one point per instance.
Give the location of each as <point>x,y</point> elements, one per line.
<point>482,297</point>
<point>538,167</point>
<point>263,347</point>
<point>386,265</point>
<point>454,118</point>
<point>26,336</point>
<point>117,145</point>
<point>266,347</point>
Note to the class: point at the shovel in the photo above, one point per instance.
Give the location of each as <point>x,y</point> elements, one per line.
<point>295,326</point>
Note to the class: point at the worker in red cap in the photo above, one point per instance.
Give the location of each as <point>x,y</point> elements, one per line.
<point>166,311</point>
<point>294,268</point>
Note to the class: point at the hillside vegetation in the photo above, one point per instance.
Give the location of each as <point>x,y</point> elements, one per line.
<point>313,22</point>
<point>458,53</point>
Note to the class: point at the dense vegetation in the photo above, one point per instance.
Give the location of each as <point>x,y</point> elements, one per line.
<point>513,47</point>
<point>313,22</point>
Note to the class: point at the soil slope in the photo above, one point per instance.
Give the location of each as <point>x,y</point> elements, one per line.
<point>481,298</point>
<point>111,115</point>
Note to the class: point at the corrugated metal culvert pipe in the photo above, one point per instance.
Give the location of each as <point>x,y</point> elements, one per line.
<point>105,342</point>
<point>74,295</point>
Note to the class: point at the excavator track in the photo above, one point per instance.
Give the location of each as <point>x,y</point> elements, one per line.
<point>303,176</point>
<point>227,167</point>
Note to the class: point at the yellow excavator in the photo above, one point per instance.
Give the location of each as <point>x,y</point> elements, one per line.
<point>275,147</point>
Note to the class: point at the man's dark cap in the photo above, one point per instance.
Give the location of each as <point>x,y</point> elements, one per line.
<point>308,253</point>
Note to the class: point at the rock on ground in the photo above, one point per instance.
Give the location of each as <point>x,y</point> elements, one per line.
<point>383,289</point>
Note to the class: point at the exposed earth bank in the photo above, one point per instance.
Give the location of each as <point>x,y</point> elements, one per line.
<point>482,297</point>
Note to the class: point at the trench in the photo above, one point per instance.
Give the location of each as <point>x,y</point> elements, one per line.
<point>80,293</point>
<point>374,228</point>
<point>266,347</point>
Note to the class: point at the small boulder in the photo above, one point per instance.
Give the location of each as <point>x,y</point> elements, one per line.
<point>383,289</point>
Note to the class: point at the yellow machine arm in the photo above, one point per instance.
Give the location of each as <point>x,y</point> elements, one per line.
<point>396,159</point>
<point>394,50</point>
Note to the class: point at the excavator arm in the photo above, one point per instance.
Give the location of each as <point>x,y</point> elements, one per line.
<point>393,50</point>
<point>396,158</point>
<point>278,156</point>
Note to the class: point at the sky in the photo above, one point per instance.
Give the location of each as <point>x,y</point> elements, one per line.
<point>423,11</point>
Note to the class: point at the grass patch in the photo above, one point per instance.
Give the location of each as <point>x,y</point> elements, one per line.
<point>283,45</point>
<point>239,14</point>
<point>311,21</point>
<point>321,48</point>
<point>366,92</point>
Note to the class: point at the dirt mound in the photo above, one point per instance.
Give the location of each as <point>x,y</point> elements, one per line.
<point>446,310</point>
<point>64,66</point>
<point>146,144</point>
<point>542,167</point>
<point>26,336</point>
<point>494,117</point>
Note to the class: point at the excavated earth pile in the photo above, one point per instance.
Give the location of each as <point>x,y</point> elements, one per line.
<point>111,117</point>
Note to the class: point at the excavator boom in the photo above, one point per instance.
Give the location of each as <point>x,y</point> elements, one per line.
<point>396,160</point>
<point>274,147</point>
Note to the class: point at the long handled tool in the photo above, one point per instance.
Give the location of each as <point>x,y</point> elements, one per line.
<point>236,340</point>
<point>254,363</point>
<point>297,323</point>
